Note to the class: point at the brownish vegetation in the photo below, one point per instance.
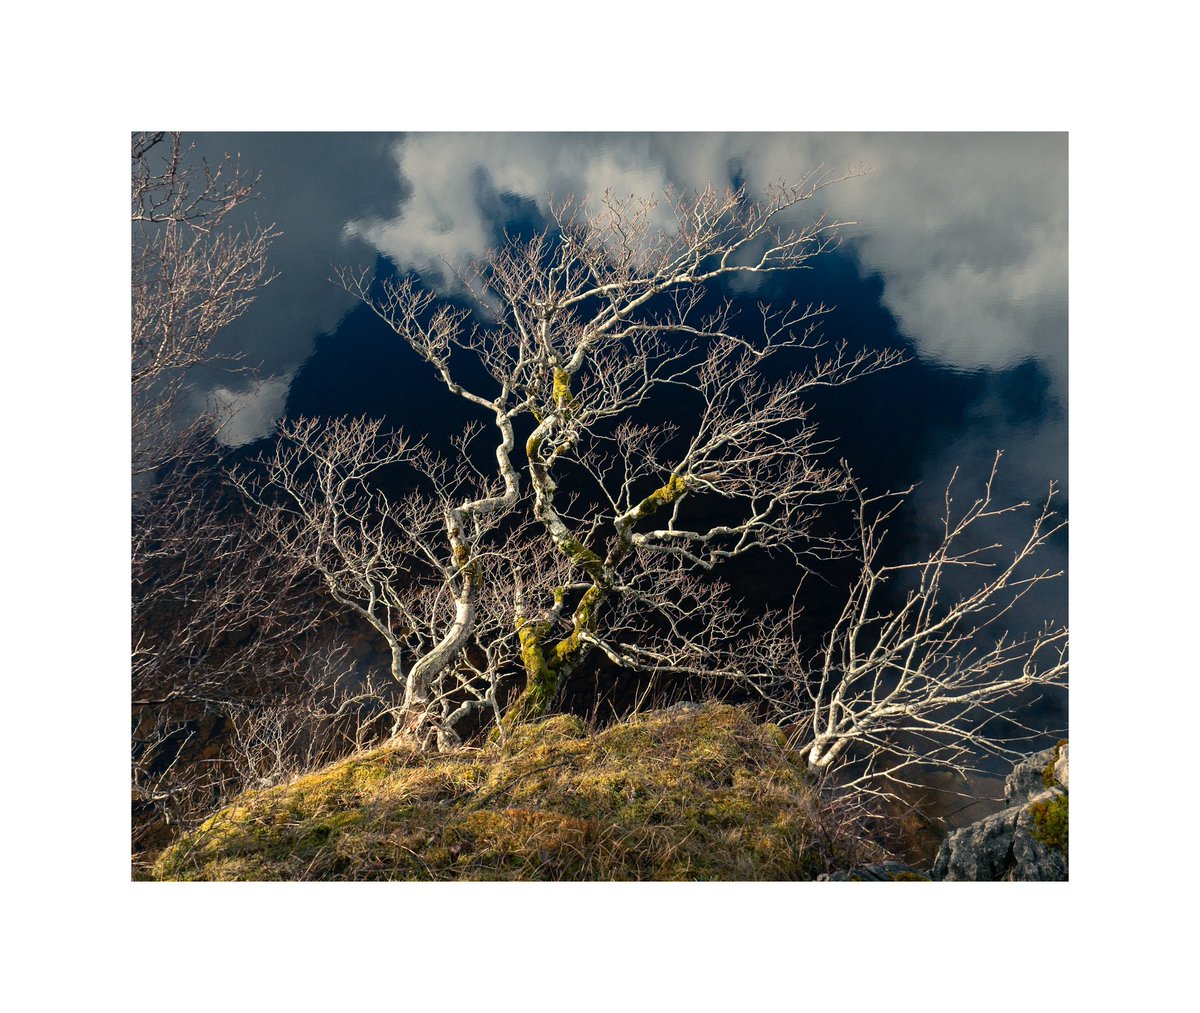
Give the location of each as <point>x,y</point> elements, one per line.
<point>594,546</point>
<point>697,794</point>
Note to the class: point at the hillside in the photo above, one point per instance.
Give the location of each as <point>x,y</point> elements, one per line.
<point>696,793</point>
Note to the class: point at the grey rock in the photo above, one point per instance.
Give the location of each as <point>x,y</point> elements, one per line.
<point>1062,772</point>
<point>1003,846</point>
<point>682,707</point>
<point>1034,861</point>
<point>981,851</point>
<point>999,848</point>
<point>1025,781</point>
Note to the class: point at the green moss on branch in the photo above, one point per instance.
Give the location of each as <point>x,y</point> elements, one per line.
<point>568,651</point>
<point>561,386</point>
<point>663,496</point>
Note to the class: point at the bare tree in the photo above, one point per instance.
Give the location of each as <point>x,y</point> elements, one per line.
<point>583,325</point>
<point>932,682</point>
<point>192,276</point>
<point>208,605</point>
<point>599,537</point>
<point>216,614</point>
<point>413,566</point>
<point>222,629</point>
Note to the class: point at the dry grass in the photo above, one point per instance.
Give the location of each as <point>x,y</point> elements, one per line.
<point>703,794</point>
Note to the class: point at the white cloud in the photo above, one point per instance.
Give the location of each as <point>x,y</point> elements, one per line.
<point>250,415</point>
<point>968,231</point>
<point>446,219</point>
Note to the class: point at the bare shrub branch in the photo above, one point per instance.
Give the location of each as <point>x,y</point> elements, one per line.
<point>192,276</point>
<point>225,633</point>
<point>930,682</point>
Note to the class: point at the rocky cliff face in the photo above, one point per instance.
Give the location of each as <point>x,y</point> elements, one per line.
<point>1027,840</point>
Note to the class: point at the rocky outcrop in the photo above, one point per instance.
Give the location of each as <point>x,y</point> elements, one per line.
<point>1027,840</point>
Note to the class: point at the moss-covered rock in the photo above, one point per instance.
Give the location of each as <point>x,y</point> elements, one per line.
<point>699,794</point>
<point>1027,840</point>
<point>1052,773</point>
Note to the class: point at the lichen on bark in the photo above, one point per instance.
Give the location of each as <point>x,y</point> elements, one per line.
<point>663,496</point>
<point>561,386</point>
<point>545,671</point>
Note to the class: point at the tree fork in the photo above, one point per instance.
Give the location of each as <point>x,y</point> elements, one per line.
<point>545,674</point>
<point>541,681</point>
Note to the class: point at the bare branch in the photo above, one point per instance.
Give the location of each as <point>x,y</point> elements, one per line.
<point>922,684</point>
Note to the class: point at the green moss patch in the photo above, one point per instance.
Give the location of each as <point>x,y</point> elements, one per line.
<point>1050,822</point>
<point>697,794</point>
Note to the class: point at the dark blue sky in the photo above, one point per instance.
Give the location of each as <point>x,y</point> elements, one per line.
<point>957,254</point>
